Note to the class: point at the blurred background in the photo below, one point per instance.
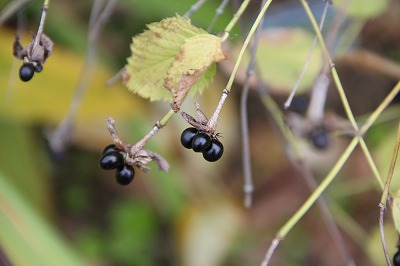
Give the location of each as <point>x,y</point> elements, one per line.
<point>60,208</point>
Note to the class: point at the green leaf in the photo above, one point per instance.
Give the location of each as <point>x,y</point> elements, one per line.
<point>172,54</point>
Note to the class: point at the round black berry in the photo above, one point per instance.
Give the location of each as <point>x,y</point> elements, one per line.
<point>214,151</point>
<point>396,258</point>
<point>108,148</point>
<point>187,137</point>
<point>26,72</point>
<point>320,139</point>
<point>299,104</point>
<point>38,68</point>
<point>111,160</point>
<point>125,174</point>
<point>201,142</point>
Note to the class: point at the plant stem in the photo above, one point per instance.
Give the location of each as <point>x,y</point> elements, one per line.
<point>331,175</point>
<point>235,19</point>
<point>218,13</point>
<point>248,186</point>
<point>213,121</point>
<point>59,137</point>
<point>311,200</point>
<point>41,24</point>
<point>303,71</point>
<point>341,92</point>
<point>194,8</point>
<point>385,195</point>
<point>246,43</point>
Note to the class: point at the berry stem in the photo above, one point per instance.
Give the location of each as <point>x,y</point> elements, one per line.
<point>41,24</point>
<point>212,123</point>
<point>158,125</point>
<point>235,19</point>
<point>133,149</point>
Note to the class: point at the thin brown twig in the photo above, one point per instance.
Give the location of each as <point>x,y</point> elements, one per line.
<point>59,138</point>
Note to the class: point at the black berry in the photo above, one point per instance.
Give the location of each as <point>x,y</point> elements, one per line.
<point>214,151</point>
<point>38,68</point>
<point>108,148</point>
<point>187,137</point>
<point>26,72</point>
<point>299,104</point>
<point>396,258</point>
<point>320,139</point>
<point>125,174</point>
<point>111,160</point>
<point>201,142</point>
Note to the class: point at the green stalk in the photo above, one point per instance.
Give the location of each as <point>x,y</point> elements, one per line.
<point>234,20</point>
<point>164,120</point>
<point>245,44</point>
<point>318,191</point>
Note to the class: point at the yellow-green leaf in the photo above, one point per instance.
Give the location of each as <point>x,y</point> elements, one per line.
<point>194,58</point>
<point>168,55</point>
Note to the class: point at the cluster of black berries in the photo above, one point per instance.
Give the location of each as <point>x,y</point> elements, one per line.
<point>27,70</point>
<point>212,149</point>
<point>113,158</point>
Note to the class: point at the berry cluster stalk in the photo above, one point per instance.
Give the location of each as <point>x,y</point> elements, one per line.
<point>214,119</point>
<point>41,24</point>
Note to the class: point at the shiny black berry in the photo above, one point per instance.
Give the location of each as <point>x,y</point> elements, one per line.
<point>320,139</point>
<point>201,142</point>
<point>38,68</point>
<point>108,148</point>
<point>396,258</point>
<point>214,151</point>
<point>111,160</point>
<point>187,137</point>
<point>125,174</point>
<point>26,72</point>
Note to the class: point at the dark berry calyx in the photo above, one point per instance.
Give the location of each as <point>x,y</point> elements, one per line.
<point>111,160</point>
<point>125,174</point>
<point>201,142</point>
<point>214,151</point>
<point>187,137</point>
<point>26,72</point>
